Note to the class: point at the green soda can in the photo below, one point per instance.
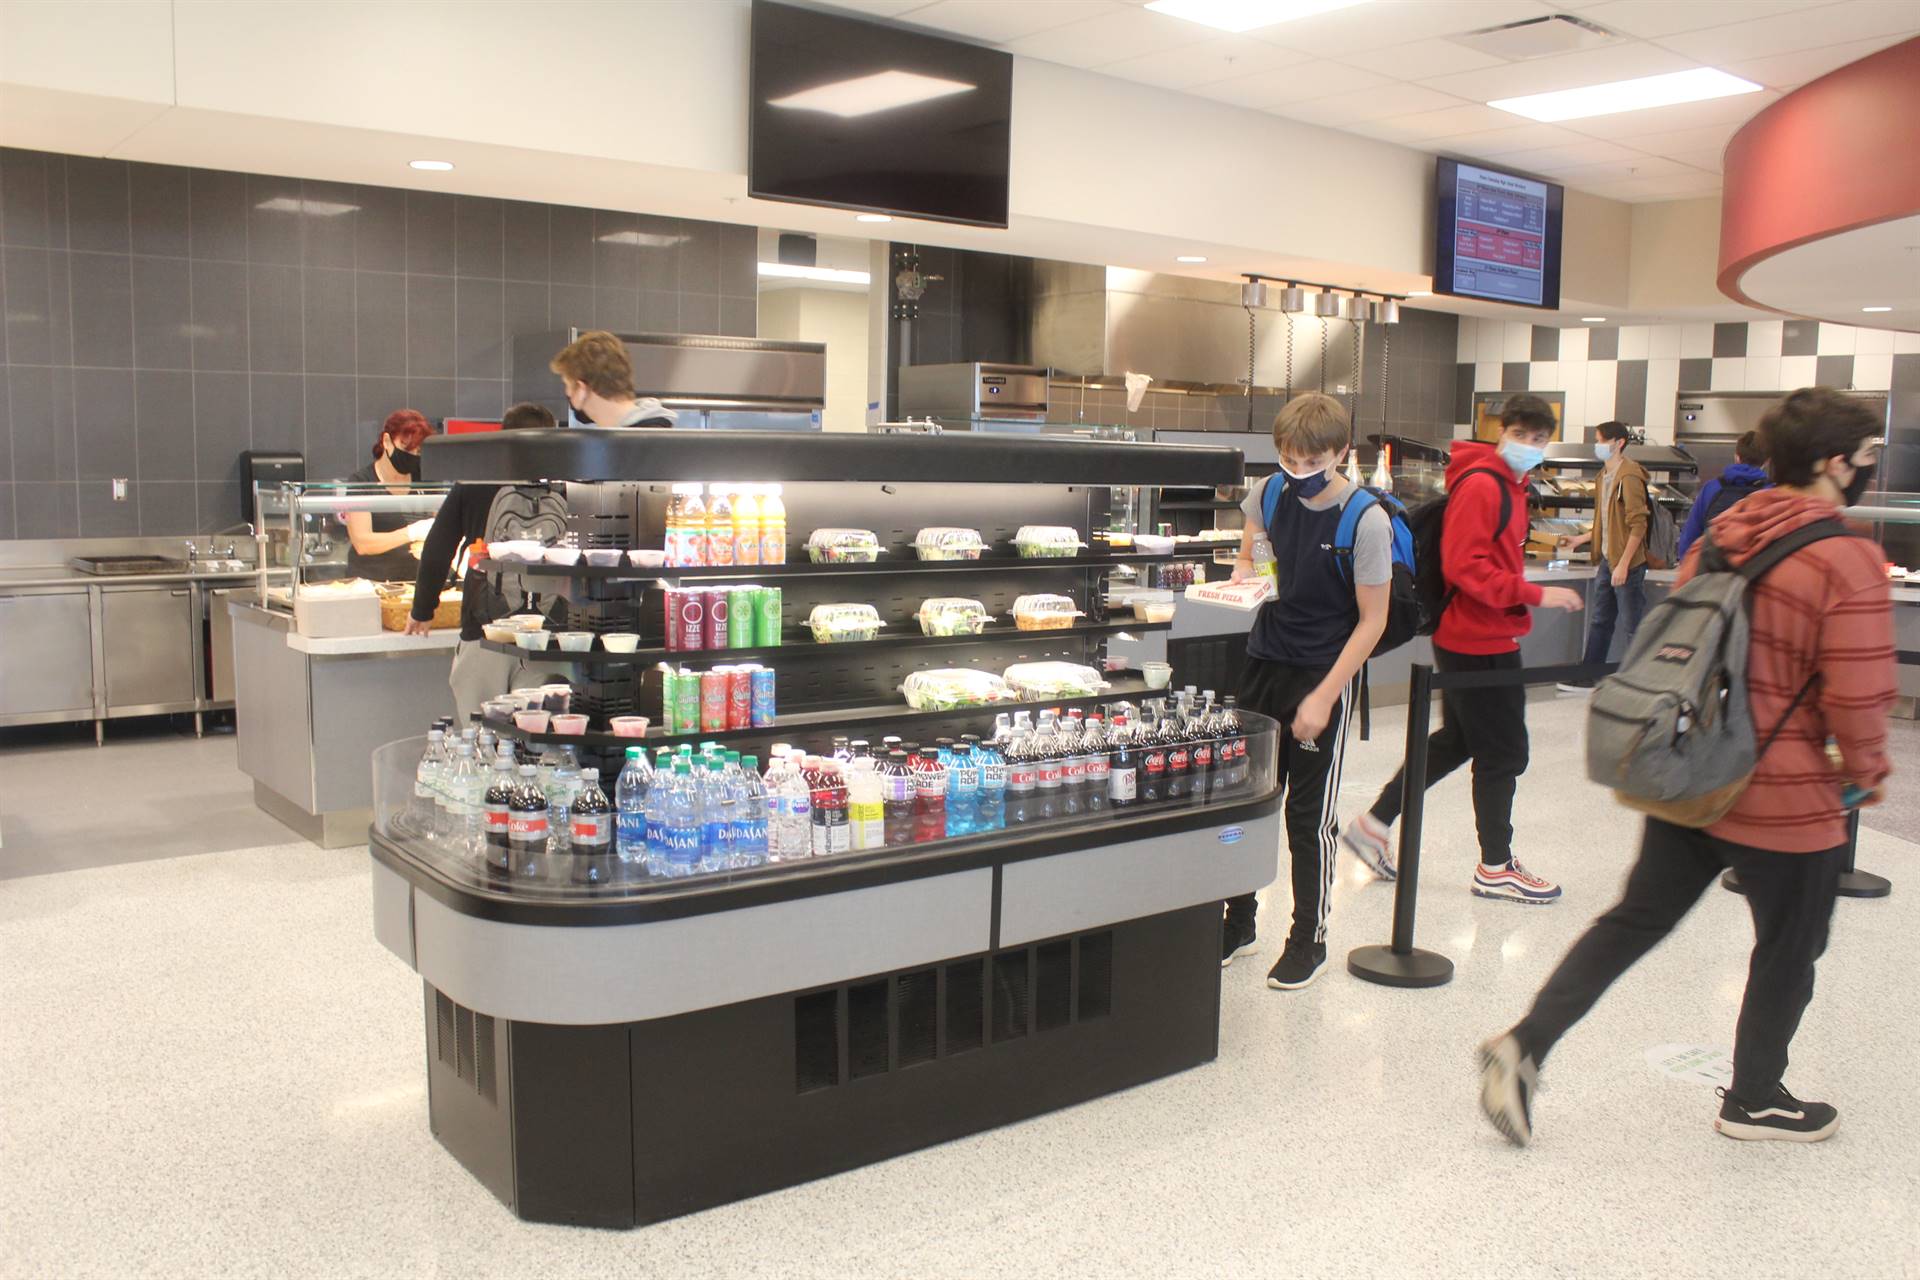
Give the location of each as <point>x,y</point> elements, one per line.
<point>740,617</point>
<point>766,617</point>
<point>687,700</point>
<point>669,708</point>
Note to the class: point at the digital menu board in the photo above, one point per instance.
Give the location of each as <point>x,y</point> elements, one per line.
<point>1497,235</point>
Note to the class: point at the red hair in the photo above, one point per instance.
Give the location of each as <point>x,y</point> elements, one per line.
<point>408,427</point>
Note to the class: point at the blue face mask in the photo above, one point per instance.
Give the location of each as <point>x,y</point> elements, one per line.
<point>1603,450</point>
<point>1521,457</point>
<point>1309,486</point>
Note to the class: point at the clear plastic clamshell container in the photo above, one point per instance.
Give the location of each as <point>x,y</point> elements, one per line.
<point>834,623</point>
<point>948,687</point>
<point>843,546</point>
<point>943,543</point>
<point>1047,541</point>
<point>952,616</point>
<point>1044,613</point>
<point>1033,681</point>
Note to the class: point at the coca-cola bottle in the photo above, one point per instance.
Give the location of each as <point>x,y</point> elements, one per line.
<point>1050,770</point>
<point>1023,779</point>
<point>1179,754</point>
<point>1073,766</point>
<point>1123,773</point>
<point>590,827</point>
<point>1201,749</point>
<point>1153,761</point>
<point>1233,746</point>
<point>1094,749</point>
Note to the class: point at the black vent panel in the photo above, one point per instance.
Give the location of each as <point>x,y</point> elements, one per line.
<point>465,1042</point>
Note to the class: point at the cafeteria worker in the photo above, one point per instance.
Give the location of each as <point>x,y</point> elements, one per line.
<point>381,542</point>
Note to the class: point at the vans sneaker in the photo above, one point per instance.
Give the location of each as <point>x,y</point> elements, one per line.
<point>1513,883</point>
<point>1236,940</point>
<point>1507,1080</point>
<point>1298,966</point>
<point>1366,835</point>
<point>1783,1118</point>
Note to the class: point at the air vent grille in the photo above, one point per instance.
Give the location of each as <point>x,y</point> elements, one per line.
<point>1538,37</point>
<point>464,1041</point>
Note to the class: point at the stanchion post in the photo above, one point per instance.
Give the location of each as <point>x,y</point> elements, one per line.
<point>1854,883</point>
<point>1401,964</point>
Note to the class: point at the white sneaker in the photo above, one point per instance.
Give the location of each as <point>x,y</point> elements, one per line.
<point>1367,837</point>
<point>1508,1078</point>
<point>1514,883</point>
<point>1583,690</point>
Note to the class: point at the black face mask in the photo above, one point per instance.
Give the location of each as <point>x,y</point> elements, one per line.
<point>577,419</point>
<point>407,464</point>
<point>1856,488</point>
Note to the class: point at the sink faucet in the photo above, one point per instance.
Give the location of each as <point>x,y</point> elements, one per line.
<point>193,553</point>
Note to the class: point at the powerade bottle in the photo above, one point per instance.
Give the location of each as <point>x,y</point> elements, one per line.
<point>680,822</point>
<point>992,813</point>
<point>929,799</point>
<point>590,829</point>
<point>630,803</point>
<point>896,798</point>
<point>963,791</point>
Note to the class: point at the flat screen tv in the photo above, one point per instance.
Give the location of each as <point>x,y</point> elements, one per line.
<point>857,115</point>
<point>1497,235</point>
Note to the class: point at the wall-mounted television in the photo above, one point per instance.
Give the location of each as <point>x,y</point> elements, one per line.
<point>859,115</point>
<point>1496,235</point>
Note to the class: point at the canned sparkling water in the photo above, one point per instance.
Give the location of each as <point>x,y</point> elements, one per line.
<point>713,700</point>
<point>739,697</point>
<point>762,698</point>
<point>669,700</point>
<point>740,617</point>
<point>686,696</point>
<point>715,636</point>
<point>687,618</point>
<point>766,617</point>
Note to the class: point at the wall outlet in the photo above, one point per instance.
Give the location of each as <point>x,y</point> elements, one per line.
<point>120,489</point>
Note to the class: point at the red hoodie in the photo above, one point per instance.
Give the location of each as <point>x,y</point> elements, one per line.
<point>1484,565</point>
<point>1825,609</point>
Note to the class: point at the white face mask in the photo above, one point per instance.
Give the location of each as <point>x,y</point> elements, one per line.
<point>1603,450</point>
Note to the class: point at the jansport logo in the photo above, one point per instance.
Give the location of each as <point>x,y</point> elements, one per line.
<point>1675,653</point>
<point>1232,835</point>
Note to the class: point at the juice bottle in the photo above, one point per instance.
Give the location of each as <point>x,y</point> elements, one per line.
<point>719,527</point>
<point>746,524</point>
<point>773,526</point>
<point>675,516</point>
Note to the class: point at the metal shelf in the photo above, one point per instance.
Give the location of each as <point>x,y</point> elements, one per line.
<point>807,569</point>
<point>803,642</point>
<point>890,713</point>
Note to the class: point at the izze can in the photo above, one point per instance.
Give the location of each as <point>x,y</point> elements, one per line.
<point>669,700</point>
<point>739,697</point>
<point>740,617</point>
<point>713,700</point>
<point>689,605</point>
<point>686,696</point>
<point>715,636</point>
<point>766,617</point>
<point>762,698</point>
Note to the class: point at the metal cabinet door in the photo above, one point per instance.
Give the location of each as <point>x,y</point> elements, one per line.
<point>149,645</point>
<point>46,654</point>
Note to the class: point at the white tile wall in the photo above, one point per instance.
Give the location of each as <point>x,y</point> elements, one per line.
<point>1663,343</point>
<point>1873,342</point>
<point>1763,338</point>
<point>1797,371</point>
<point>1696,340</point>
<point>1486,375</point>
<point>1906,344</point>
<point>1873,372</point>
<point>1466,349</point>
<point>1493,342</point>
<point>1836,340</point>
<point>1544,375</point>
<point>1635,341</point>
<point>1763,372</point>
<point>1730,374</point>
<point>1575,381</point>
<point>1519,341</point>
<point>1663,385</point>
<point>1573,345</point>
<point>1600,376</point>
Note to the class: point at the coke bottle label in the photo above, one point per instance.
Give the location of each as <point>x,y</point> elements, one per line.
<point>1179,760</point>
<point>1051,771</point>
<point>1203,756</point>
<point>1122,785</point>
<point>1075,772</point>
<point>527,827</point>
<point>1022,776</point>
<point>590,828</point>
<point>1098,769</point>
<point>1155,762</point>
<point>499,820</point>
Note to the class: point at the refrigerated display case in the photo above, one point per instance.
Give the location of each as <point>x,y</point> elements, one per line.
<point>623,1052</point>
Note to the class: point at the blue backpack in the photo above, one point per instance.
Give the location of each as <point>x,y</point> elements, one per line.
<point>1406,614</point>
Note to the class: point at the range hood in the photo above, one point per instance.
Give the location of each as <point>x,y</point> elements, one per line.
<point>710,381</point>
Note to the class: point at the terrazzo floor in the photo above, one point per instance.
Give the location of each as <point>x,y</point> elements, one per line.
<point>212,1069</point>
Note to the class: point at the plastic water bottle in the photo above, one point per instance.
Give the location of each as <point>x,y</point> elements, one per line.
<point>739,812</point>
<point>963,791</point>
<point>717,809</point>
<point>423,815</point>
<point>560,778</point>
<point>680,822</point>
<point>992,812</point>
<point>466,793</point>
<point>630,810</point>
<point>657,842</point>
<point>793,821</point>
<point>752,849</point>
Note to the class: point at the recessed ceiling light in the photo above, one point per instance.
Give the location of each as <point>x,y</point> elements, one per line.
<point>872,217</point>
<point>1189,257</point>
<point>1593,319</point>
<point>319,208</point>
<point>834,275</point>
<point>1696,85</point>
<point>869,95</point>
<point>1245,15</point>
<point>438,166</point>
<point>1421,293</point>
<point>1876,308</point>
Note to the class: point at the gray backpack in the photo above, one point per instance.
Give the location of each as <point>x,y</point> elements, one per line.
<point>1672,730</point>
<point>1663,536</point>
<point>517,511</point>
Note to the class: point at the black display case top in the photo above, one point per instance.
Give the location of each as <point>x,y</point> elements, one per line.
<point>596,453</point>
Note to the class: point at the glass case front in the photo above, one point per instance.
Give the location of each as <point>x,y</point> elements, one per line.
<point>336,532</point>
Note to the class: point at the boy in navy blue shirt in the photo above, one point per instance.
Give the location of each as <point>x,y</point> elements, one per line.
<point>1305,649</point>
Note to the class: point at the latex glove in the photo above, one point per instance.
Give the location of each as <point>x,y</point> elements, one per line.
<point>418,530</point>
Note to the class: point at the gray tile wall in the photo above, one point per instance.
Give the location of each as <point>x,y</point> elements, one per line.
<point>160,320</point>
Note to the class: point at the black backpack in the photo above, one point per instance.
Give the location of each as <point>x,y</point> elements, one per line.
<point>1427,521</point>
<point>1729,494</point>
<point>1405,616</point>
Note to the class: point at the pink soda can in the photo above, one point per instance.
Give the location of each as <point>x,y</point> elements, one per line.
<point>713,700</point>
<point>686,618</point>
<point>740,697</point>
<point>715,631</point>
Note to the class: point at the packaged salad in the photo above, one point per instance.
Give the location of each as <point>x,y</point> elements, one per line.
<point>834,623</point>
<point>1047,541</point>
<point>945,688</point>
<point>952,616</point>
<point>843,546</point>
<point>941,543</point>
<point>1044,613</point>
<point>1034,681</point>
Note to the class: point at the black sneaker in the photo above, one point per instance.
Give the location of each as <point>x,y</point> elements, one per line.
<point>1508,1076</point>
<point>1236,939</point>
<point>1298,966</point>
<point>1782,1117</point>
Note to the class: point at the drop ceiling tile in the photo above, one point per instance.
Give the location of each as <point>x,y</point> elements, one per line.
<point>1357,106</point>
<point>1419,59</point>
<point>1650,18</point>
<point>1633,169</point>
<point>1691,115</point>
<point>1645,190</point>
<point>1571,155</point>
<point>1567,71</point>
<point>1503,142</point>
<point>1003,20</point>
<point>1707,137</point>
<point>1789,32</point>
<point>1309,80</point>
<point>1472,118</point>
<point>1094,42</point>
<point>1383,23</point>
<point>1789,70</point>
<point>1208,62</point>
<point>1705,161</point>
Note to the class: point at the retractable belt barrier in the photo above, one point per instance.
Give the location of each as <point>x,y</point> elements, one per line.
<point>1400,963</point>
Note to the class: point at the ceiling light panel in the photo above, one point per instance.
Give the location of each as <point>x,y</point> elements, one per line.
<point>1668,90</point>
<point>1247,15</point>
<point>833,275</point>
<point>872,94</point>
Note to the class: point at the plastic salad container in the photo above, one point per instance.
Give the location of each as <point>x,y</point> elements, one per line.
<point>941,543</point>
<point>843,546</point>
<point>952,616</point>
<point>950,687</point>
<point>1044,613</point>
<point>833,623</point>
<point>1047,541</point>
<point>1031,681</point>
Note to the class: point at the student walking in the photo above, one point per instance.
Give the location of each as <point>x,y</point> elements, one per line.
<point>1745,477</point>
<point>1483,559</point>
<point>1619,530</point>
<point>1305,649</point>
<point>1820,668</point>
